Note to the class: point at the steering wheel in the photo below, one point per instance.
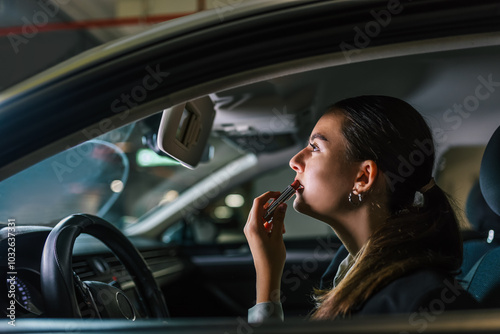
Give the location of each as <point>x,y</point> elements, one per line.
<point>58,282</point>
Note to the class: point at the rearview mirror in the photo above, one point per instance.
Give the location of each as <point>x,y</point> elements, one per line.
<point>184,130</point>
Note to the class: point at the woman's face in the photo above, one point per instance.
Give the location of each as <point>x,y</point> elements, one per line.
<point>324,172</point>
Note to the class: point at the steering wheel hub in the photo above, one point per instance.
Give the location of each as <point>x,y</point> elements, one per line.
<point>57,280</point>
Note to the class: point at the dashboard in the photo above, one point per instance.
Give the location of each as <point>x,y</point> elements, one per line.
<point>92,261</point>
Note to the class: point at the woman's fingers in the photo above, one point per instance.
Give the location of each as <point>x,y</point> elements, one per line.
<point>278,221</point>
<point>263,200</point>
<point>256,225</point>
<point>267,246</point>
<point>255,222</point>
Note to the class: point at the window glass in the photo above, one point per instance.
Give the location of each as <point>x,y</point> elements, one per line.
<point>119,176</point>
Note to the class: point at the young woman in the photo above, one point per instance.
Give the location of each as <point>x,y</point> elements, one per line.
<point>367,172</point>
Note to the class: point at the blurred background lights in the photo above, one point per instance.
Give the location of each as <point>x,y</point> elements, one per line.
<point>234,200</point>
<point>116,186</point>
<point>223,212</point>
<point>169,196</point>
<point>148,158</point>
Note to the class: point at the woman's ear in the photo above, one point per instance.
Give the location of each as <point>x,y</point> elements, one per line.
<point>365,177</point>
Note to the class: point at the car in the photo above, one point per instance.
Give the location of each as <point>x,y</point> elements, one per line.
<point>163,248</point>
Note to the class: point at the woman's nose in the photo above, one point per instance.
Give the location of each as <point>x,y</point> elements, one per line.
<point>296,163</point>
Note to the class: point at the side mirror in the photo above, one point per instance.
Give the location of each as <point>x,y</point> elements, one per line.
<point>184,130</point>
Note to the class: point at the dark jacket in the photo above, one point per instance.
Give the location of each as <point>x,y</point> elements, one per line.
<point>422,294</point>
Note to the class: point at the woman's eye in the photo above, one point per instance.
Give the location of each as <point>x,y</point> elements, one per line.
<point>314,147</point>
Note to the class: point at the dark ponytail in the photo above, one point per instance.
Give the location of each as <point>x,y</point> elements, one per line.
<point>422,230</point>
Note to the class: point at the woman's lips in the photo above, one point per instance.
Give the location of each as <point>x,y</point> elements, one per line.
<point>300,188</point>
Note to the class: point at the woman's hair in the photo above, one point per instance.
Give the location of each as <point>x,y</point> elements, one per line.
<point>395,136</point>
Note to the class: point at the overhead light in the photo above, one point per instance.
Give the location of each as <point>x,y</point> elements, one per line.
<point>169,196</point>
<point>234,200</point>
<point>223,212</point>
<point>116,186</point>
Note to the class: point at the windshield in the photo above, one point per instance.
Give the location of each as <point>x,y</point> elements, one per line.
<point>119,176</point>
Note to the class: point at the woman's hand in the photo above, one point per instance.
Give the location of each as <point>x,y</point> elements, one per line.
<point>267,247</point>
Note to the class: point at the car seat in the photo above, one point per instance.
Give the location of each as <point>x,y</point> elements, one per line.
<point>483,280</point>
<point>486,227</point>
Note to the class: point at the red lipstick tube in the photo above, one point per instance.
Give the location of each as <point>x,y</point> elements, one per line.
<point>285,196</point>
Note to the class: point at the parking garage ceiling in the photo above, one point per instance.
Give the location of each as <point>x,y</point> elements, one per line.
<point>37,34</point>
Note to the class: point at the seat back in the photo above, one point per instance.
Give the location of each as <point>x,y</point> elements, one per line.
<point>474,250</point>
<point>489,175</point>
<point>484,237</point>
<point>483,281</point>
<point>479,213</point>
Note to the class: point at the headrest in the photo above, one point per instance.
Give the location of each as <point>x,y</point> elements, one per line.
<point>489,175</point>
<point>479,213</point>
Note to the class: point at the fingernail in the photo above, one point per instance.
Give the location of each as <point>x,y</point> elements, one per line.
<point>282,207</point>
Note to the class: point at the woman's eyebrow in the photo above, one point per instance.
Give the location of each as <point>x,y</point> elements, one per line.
<point>317,136</point>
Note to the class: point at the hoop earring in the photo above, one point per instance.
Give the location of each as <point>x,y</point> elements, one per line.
<point>358,202</point>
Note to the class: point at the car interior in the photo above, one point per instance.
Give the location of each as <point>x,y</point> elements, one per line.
<point>128,202</point>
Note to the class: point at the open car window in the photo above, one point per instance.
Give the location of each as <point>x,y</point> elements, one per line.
<point>119,176</point>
